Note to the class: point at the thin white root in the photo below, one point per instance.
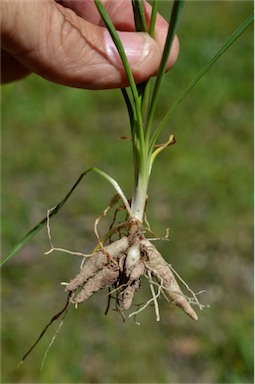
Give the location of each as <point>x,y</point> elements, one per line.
<point>146,304</point>
<point>159,238</point>
<point>99,218</point>
<point>51,343</point>
<point>69,252</point>
<point>157,285</point>
<point>114,200</point>
<point>156,306</point>
<point>117,289</point>
<point>52,248</point>
<point>194,300</point>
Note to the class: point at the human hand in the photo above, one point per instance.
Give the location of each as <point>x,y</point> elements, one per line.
<point>66,42</point>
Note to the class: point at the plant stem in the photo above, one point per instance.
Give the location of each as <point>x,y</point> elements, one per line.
<point>139,197</point>
<point>144,163</point>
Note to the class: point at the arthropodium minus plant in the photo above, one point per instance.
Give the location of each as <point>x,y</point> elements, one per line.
<point>121,264</point>
<point>124,261</point>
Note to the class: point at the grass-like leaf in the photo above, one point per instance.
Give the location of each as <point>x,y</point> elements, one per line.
<point>114,35</point>
<point>153,17</point>
<point>173,24</point>
<point>137,100</point>
<point>139,16</point>
<point>239,31</point>
<point>134,109</point>
<point>43,222</point>
<point>55,210</point>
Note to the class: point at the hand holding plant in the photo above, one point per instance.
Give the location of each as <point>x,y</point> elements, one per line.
<point>72,47</point>
<point>125,252</point>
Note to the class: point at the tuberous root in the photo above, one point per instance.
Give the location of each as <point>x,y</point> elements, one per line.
<point>133,258</point>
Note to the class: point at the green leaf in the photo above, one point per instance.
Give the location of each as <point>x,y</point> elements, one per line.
<point>55,210</point>
<point>239,31</point>
<point>173,24</point>
<point>139,16</point>
<point>114,35</point>
<point>153,17</point>
<point>137,100</point>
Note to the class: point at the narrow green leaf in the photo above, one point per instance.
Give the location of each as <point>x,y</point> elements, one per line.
<point>140,24</point>
<point>201,73</point>
<point>114,35</point>
<point>129,106</point>
<point>43,222</point>
<point>173,24</point>
<point>139,16</point>
<point>153,17</point>
<point>137,100</point>
<point>55,210</point>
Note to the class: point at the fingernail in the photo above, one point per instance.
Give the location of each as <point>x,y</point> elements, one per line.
<point>136,46</point>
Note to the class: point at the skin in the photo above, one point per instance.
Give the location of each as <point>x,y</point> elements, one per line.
<point>66,43</point>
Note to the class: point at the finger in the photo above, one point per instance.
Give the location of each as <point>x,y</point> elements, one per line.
<point>62,47</point>
<point>121,14</point>
<point>11,69</point>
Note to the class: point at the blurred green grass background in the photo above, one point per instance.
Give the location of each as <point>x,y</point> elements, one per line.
<point>202,189</point>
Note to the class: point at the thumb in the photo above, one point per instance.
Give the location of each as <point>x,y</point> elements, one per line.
<point>55,43</point>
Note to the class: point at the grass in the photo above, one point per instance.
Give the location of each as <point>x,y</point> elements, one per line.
<point>201,189</point>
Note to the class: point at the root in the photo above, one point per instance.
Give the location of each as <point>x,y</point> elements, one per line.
<point>120,266</point>
<point>52,248</point>
<point>105,277</point>
<point>133,256</point>
<point>51,342</point>
<point>162,272</point>
<point>97,262</point>
<point>192,300</point>
<point>155,301</point>
<point>128,294</point>
<point>114,201</point>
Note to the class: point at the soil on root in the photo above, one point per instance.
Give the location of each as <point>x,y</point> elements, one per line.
<point>120,265</point>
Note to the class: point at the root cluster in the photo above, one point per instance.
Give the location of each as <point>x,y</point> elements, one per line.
<point>120,266</point>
